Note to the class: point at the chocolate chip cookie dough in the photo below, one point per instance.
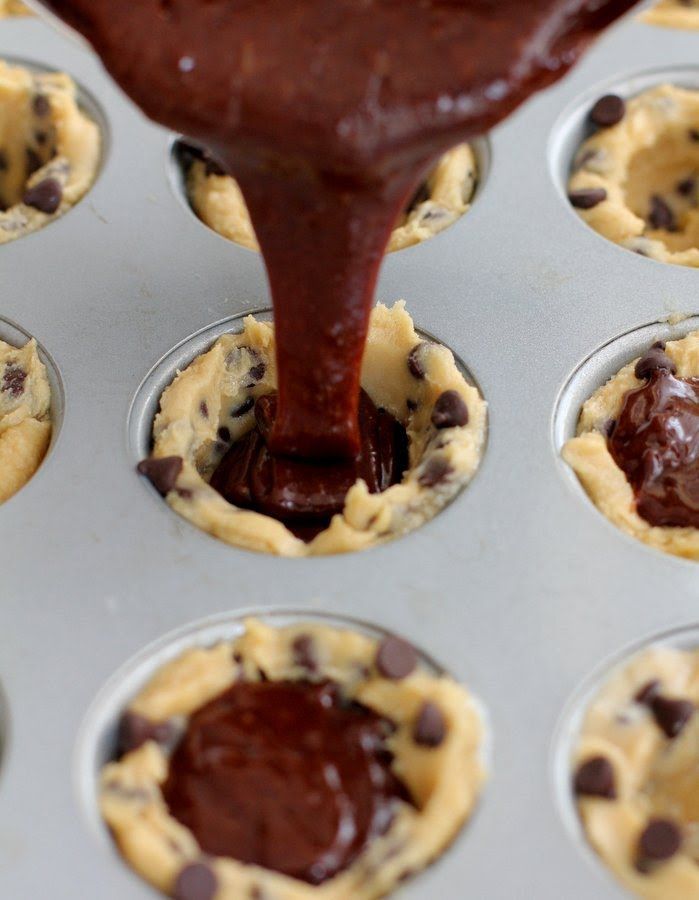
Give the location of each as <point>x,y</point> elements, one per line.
<point>635,778</point>
<point>25,425</point>
<point>13,8</point>
<point>637,447</point>
<point>674,14</point>
<point>445,196</point>
<point>211,404</point>
<point>49,149</point>
<point>636,179</point>
<point>232,781</point>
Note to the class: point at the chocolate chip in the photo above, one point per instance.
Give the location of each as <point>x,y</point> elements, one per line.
<point>257,373</point>
<point>411,405</point>
<point>162,472</point>
<point>435,470</point>
<point>658,345</point>
<point>595,778</point>
<point>185,493</point>
<point>646,693</point>
<point>654,360</point>
<point>244,407</point>
<point>685,188</point>
<point>671,716</point>
<point>609,110</point>
<point>45,196</point>
<point>395,658</point>
<point>40,137</point>
<point>660,840</point>
<point>661,215</point>
<point>305,653</point>
<point>415,367</point>
<point>196,881</point>
<point>135,730</point>
<point>224,434</point>
<point>41,105</point>
<point>586,198</point>
<point>33,161</point>
<point>449,410</point>
<point>430,727</point>
<point>13,379</point>
<point>204,409</point>
<point>4,163</point>
<point>694,135</point>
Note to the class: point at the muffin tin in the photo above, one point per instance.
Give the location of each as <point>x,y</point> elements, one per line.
<point>519,587</point>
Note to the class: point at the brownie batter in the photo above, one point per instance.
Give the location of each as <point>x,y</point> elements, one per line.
<point>329,114</point>
<point>637,447</point>
<point>250,777</point>
<point>293,762</point>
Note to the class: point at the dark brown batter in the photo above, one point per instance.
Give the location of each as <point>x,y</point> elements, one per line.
<point>656,443</point>
<point>284,775</point>
<point>305,496</point>
<point>328,113</point>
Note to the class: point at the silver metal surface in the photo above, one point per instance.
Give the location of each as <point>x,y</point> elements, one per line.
<point>520,587</point>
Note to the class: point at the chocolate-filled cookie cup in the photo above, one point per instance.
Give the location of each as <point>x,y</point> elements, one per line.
<point>648,373</point>
<point>446,194</point>
<point>52,148</point>
<point>625,159</point>
<point>32,402</point>
<point>623,763</point>
<point>183,428</point>
<point>417,743</point>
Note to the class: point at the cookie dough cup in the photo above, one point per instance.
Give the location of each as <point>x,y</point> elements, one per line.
<point>433,746</point>
<point>25,423</point>
<point>589,455</point>
<point>442,199</point>
<point>636,180</point>
<point>210,404</point>
<point>49,149</point>
<point>682,14</point>
<point>635,765</point>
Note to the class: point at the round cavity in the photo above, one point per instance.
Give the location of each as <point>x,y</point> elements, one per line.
<point>569,727</point>
<point>145,404</point>
<point>13,334</point>
<point>432,220</point>
<point>595,370</point>
<point>89,107</point>
<point>574,126</point>
<point>96,743</point>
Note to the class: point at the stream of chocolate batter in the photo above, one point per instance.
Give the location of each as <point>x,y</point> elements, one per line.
<point>285,775</point>
<point>328,113</point>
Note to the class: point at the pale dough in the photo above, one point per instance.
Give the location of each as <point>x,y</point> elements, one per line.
<point>650,152</point>
<point>655,776</point>
<point>13,8</point>
<point>221,381</point>
<point>43,129</point>
<point>603,480</point>
<point>674,14</point>
<point>444,781</point>
<point>218,202</point>
<point>25,424</point>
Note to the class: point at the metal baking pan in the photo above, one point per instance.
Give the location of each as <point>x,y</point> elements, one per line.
<point>519,588</point>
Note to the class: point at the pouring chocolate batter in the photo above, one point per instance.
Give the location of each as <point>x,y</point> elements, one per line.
<point>328,113</point>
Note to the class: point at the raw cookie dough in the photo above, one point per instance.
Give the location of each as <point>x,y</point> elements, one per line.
<point>603,479</point>
<point>13,8</point>
<point>49,149</point>
<point>673,14</point>
<point>210,404</point>
<point>446,195</point>
<point>444,776</point>
<point>636,774</point>
<point>25,424</point>
<point>637,182</point>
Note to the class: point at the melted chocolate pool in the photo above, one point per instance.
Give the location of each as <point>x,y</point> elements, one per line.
<point>305,496</point>
<point>656,442</point>
<point>285,775</point>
